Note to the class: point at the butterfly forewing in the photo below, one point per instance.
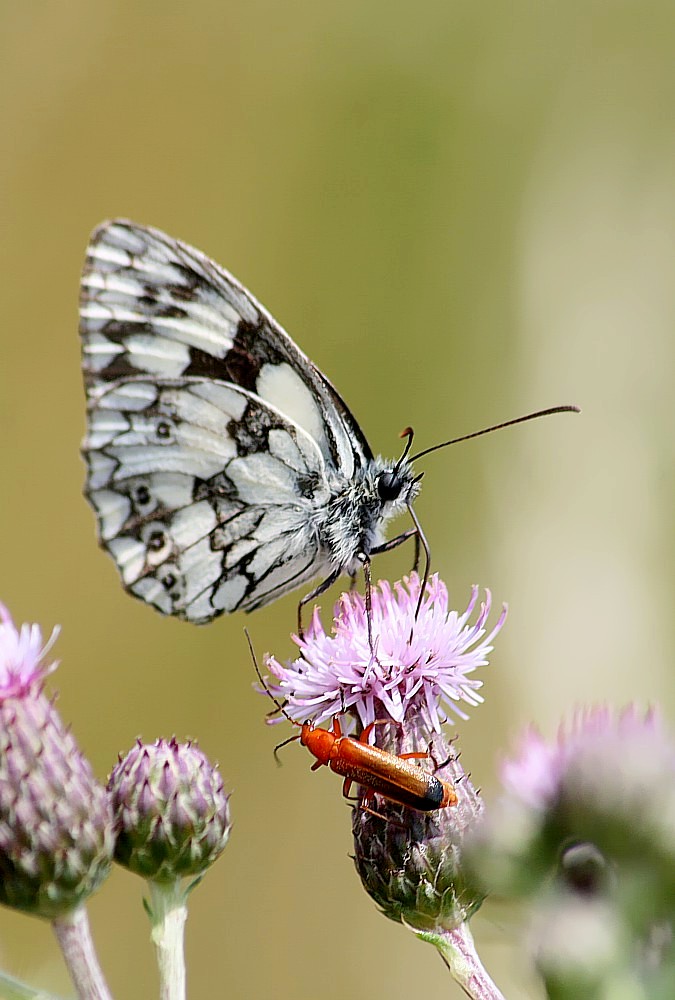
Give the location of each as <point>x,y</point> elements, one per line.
<point>153,305</point>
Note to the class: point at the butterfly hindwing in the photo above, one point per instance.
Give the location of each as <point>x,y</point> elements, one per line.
<point>203,494</point>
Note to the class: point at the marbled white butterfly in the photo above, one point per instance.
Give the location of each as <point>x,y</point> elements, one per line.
<point>224,468</point>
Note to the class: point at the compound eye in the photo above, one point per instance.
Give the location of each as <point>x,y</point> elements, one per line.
<point>389,486</point>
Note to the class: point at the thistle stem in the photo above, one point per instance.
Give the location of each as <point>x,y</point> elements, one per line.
<point>168,912</point>
<point>458,951</point>
<point>74,936</point>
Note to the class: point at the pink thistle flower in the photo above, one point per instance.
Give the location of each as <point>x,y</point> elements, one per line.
<point>586,827</point>
<point>21,653</point>
<point>56,831</point>
<point>417,665</point>
<point>597,741</point>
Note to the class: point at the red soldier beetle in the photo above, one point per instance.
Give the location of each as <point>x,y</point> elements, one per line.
<point>374,769</point>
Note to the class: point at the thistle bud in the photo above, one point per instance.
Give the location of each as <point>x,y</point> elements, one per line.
<point>410,862</point>
<point>56,834</point>
<point>171,812</point>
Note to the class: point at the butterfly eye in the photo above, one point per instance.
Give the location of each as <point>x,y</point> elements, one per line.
<point>389,486</point>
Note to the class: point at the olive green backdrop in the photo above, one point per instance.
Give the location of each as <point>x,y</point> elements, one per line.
<point>461,212</point>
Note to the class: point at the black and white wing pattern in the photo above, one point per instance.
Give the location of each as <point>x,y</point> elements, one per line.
<point>223,467</point>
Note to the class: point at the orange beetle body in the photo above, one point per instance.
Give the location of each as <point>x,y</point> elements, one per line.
<point>377,770</point>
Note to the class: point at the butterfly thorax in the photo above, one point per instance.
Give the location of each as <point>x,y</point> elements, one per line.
<point>353,521</point>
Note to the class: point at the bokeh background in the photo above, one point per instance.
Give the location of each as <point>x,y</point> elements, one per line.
<point>461,212</point>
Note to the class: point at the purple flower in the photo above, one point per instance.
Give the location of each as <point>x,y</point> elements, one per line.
<point>597,744</point>
<point>606,780</point>
<point>419,663</point>
<point>20,655</point>
<point>56,833</point>
<point>586,829</point>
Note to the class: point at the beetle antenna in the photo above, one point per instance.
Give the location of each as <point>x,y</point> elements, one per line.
<point>494,427</point>
<point>291,739</point>
<point>280,707</point>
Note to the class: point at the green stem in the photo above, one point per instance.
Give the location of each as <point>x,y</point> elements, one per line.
<point>14,989</point>
<point>168,912</point>
<point>458,951</point>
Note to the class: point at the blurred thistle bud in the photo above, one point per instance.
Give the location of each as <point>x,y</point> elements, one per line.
<point>56,833</point>
<point>171,813</point>
<point>587,827</point>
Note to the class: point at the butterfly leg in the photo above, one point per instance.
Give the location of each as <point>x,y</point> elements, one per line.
<point>322,588</point>
<point>393,543</point>
<point>418,549</point>
<point>420,541</point>
<point>369,603</point>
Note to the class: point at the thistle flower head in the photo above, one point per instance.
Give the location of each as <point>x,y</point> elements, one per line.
<point>597,747</point>
<point>21,653</point>
<point>607,780</point>
<point>419,661</point>
<point>171,812</point>
<point>55,821</point>
<point>412,663</point>
<point>587,827</point>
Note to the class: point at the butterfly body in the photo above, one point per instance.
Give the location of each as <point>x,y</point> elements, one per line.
<point>224,468</point>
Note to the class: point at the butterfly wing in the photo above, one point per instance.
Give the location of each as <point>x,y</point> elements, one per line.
<point>211,435</point>
<point>203,494</point>
<point>151,305</point>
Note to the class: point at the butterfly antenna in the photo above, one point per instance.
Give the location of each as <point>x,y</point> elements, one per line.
<point>498,427</point>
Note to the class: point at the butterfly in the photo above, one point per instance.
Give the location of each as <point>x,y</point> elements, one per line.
<point>224,468</point>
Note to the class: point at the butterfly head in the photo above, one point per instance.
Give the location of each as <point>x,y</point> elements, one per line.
<point>398,486</point>
<point>394,486</point>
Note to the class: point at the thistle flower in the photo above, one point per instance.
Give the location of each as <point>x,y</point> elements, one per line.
<point>409,862</point>
<point>412,665</point>
<point>171,812</point>
<point>420,662</point>
<point>55,822</point>
<point>607,780</point>
<point>21,653</point>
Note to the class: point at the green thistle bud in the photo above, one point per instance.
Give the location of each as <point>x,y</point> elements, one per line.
<point>171,812</point>
<point>56,836</point>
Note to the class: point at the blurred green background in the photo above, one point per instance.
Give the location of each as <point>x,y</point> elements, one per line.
<point>461,212</point>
